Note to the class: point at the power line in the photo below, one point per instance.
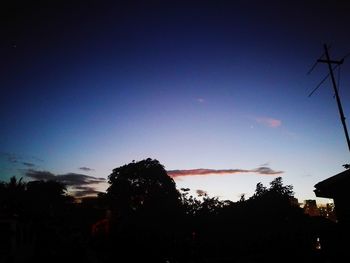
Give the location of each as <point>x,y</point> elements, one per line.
<point>322,81</point>
<point>329,62</point>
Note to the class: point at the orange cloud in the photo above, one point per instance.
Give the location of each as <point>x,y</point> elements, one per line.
<point>194,172</point>
<point>270,122</point>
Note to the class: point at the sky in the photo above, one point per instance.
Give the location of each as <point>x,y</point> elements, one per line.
<point>216,91</point>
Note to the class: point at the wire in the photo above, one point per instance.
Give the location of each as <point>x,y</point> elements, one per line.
<point>327,76</point>
<point>315,64</point>
<point>322,81</point>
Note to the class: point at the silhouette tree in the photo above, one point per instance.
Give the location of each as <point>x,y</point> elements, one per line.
<point>190,204</point>
<point>17,196</point>
<point>276,186</point>
<point>146,207</point>
<point>242,198</point>
<point>276,226</point>
<point>39,212</point>
<point>12,196</point>
<point>142,187</point>
<point>46,198</point>
<point>277,189</point>
<point>259,190</point>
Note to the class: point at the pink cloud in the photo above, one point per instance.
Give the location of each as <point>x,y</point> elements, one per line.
<point>195,172</point>
<point>270,122</point>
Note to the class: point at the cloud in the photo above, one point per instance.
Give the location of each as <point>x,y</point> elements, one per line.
<point>14,158</point>
<point>201,171</point>
<point>40,175</point>
<point>79,183</point>
<point>200,100</point>
<point>195,172</point>
<point>307,175</point>
<point>86,169</point>
<point>37,159</point>
<point>83,191</point>
<point>28,164</point>
<point>11,157</point>
<point>78,179</point>
<point>266,171</point>
<point>69,179</point>
<point>269,122</point>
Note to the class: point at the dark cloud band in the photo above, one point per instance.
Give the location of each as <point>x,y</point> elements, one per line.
<point>80,184</point>
<point>69,179</point>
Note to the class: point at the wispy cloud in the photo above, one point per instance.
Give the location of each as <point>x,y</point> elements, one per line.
<point>263,170</point>
<point>82,191</point>
<point>86,169</point>
<point>266,171</point>
<point>200,100</point>
<point>78,183</point>
<point>18,159</point>
<point>269,122</point>
<point>28,164</point>
<point>11,157</point>
<point>307,175</point>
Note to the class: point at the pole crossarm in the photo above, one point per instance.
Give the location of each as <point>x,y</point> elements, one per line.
<point>331,61</point>
<point>340,108</point>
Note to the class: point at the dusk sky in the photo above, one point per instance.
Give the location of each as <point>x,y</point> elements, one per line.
<point>217,85</point>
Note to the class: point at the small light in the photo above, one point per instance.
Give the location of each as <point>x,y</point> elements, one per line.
<point>318,244</point>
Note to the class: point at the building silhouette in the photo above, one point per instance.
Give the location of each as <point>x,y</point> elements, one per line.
<point>337,188</point>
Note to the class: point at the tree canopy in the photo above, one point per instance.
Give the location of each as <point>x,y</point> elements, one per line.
<point>145,209</point>
<point>18,197</point>
<point>276,190</point>
<point>142,186</point>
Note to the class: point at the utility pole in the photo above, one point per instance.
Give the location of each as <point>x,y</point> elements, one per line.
<point>340,108</point>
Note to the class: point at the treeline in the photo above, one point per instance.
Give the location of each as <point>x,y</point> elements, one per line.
<point>143,217</point>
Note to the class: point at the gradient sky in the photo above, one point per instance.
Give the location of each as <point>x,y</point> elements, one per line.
<point>222,85</point>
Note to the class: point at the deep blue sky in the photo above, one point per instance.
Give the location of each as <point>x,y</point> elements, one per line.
<point>194,84</point>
